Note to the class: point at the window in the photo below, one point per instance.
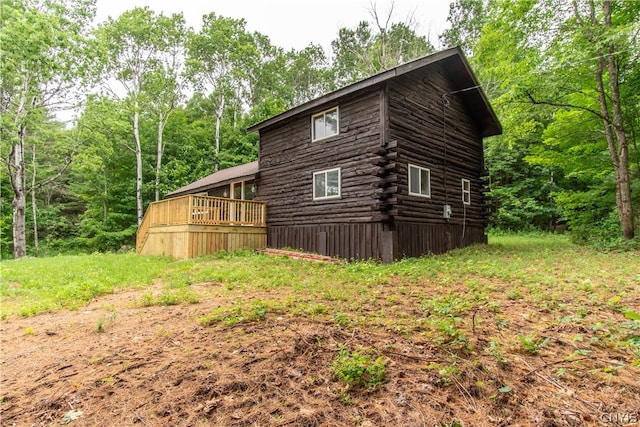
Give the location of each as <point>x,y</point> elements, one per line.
<point>419,181</point>
<point>325,124</point>
<point>243,190</point>
<point>326,184</point>
<point>236,190</point>
<point>466,192</point>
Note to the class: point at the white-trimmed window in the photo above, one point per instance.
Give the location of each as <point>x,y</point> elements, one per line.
<point>419,181</point>
<point>466,191</point>
<point>326,184</point>
<point>325,124</point>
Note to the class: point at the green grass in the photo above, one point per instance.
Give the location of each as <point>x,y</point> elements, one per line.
<point>539,270</point>
<point>35,285</point>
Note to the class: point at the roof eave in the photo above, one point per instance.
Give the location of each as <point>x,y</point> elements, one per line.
<point>206,187</point>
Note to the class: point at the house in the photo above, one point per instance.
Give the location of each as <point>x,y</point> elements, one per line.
<point>385,168</point>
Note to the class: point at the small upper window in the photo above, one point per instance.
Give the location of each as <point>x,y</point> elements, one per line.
<point>326,184</point>
<point>466,192</point>
<point>419,181</point>
<point>325,124</point>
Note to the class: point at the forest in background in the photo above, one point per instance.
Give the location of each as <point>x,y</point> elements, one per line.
<point>160,105</point>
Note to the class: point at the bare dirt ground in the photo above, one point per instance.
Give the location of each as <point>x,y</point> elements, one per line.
<point>157,366</point>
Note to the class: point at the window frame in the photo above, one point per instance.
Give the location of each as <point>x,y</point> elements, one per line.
<point>420,169</point>
<point>324,114</point>
<point>326,172</point>
<point>466,192</point>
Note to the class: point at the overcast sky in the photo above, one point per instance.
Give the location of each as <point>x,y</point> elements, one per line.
<point>294,23</point>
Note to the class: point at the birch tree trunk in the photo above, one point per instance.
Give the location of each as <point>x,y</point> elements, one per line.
<point>34,205</point>
<point>19,197</point>
<point>219,112</point>
<point>159,154</point>
<point>138,150</point>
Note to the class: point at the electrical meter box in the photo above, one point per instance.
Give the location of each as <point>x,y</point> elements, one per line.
<point>446,211</point>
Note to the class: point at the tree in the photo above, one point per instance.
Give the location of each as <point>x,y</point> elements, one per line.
<point>43,52</point>
<point>289,77</point>
<point>364,51</point>
<point>604,46</point>
<point>164,85</point>
<point>467,17</point>
<point>102,177</point>
<point>567,68</point>
<point>132,49</point>
<point>217,58</point>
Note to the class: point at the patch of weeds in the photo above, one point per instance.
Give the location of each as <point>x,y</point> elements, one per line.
<point>103,322</point>
<point>514,294</point>
<point>494,306</point>
<point>608,371</point>
<point>177,297</point>
<point>502,323</point>
<point>359,369</point>
<point>532,345</point>
<point>442,316</point>
<point>28,331</point>
<point>346,398</point>
<point>448,372</point>
<point>335,295</point>
<point>95,359</point>
<point>342,320</point>
<point>318,309</point>
<point>258,311</point>
<point>107,380</point>
<point>448,305</point>
<point>633,338</point>
<point>165,332</point>
<point>495,350</point>
<point>170,296</point>
<point>147,300</point>
<point>232,315</point>
<point>451,334</point>
<point>614,304</point>
<point>229,315</point>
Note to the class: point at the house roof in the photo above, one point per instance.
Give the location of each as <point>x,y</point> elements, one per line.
<point>218,179</point>
<point>453,63</point>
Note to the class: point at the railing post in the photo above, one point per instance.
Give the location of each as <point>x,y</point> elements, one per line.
<point>190,210</point>
<point>166,213</point>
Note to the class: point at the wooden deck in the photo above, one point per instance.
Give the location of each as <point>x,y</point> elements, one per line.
<point>190,226</point>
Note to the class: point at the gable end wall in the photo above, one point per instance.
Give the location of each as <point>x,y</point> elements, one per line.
<point>451,150</point>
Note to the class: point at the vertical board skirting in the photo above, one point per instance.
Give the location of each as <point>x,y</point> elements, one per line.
<point>415,240</point>
<point>349,241</point>
<point>369,240</point>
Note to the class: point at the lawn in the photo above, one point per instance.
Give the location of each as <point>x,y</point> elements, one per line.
<point>525,327</point>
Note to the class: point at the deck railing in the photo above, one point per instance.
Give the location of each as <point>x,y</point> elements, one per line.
<point>201,210</point>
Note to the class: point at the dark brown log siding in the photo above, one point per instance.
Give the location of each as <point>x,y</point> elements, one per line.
<point>416,122</point>
<point>382,130</point>
<point>288,160</point>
